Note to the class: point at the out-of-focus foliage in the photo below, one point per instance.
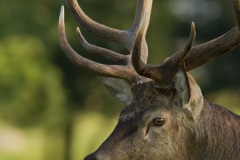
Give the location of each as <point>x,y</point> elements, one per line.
<point>228,98</point>
<point>31,89</point>
<point>43,94</point>
<point>99,128</point>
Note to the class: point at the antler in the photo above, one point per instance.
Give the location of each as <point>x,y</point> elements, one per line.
<point>165,71</point>
<point>124,37</point>
<point>81,62</point>
<point>191,57</point>
<point>133,39</point>
<point>123,68</point>
<point>206,52</point>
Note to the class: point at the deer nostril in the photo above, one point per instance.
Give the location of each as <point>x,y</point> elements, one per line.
<point>94,156</point>
<point>90,157</point>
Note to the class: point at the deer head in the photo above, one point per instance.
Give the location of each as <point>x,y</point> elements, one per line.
<point>163,103</point>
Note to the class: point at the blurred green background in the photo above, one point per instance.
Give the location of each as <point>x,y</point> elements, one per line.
<point>51,110</point>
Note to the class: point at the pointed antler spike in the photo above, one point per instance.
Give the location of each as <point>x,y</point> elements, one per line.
<point>189,44</point>
<point>179,56</point>
<point>100,51</point>
<point>61,16</point>
<point>205,52</point>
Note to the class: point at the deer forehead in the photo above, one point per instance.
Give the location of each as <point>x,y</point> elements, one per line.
<point>146,107</point>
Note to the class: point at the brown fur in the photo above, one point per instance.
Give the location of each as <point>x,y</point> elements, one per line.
<point>213,133</point>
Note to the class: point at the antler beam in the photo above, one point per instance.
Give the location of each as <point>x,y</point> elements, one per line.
<point>206,52</point>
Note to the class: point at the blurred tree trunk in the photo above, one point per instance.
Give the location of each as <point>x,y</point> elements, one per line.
<point>54,145</point>
<point>67,136</point>
<point>58,142</point>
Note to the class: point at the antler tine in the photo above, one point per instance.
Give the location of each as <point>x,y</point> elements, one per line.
<point>206,52</point>
<point>124,37</point>
<point>103,52</point>
<point>179,56</point>
<point>143,11</point>
<point>143,7</point>
<point>94,27</point>
<point>137,62</point>
<point>164,72</point>
<point>99,69</point>
<point>236,6</point>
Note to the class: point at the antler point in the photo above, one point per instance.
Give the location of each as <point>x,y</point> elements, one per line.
<point>61,16</point>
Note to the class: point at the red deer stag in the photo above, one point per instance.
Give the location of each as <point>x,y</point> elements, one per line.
<point>165,115</point>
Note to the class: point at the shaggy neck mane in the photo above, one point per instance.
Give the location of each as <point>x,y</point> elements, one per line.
<point>219,132</point>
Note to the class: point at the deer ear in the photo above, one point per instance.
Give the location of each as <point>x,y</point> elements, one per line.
<point>182,87</point>
<point>118,88</point>
<point>188,92</point>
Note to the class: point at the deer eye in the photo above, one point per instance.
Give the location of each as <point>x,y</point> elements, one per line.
<point>158,121</point>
